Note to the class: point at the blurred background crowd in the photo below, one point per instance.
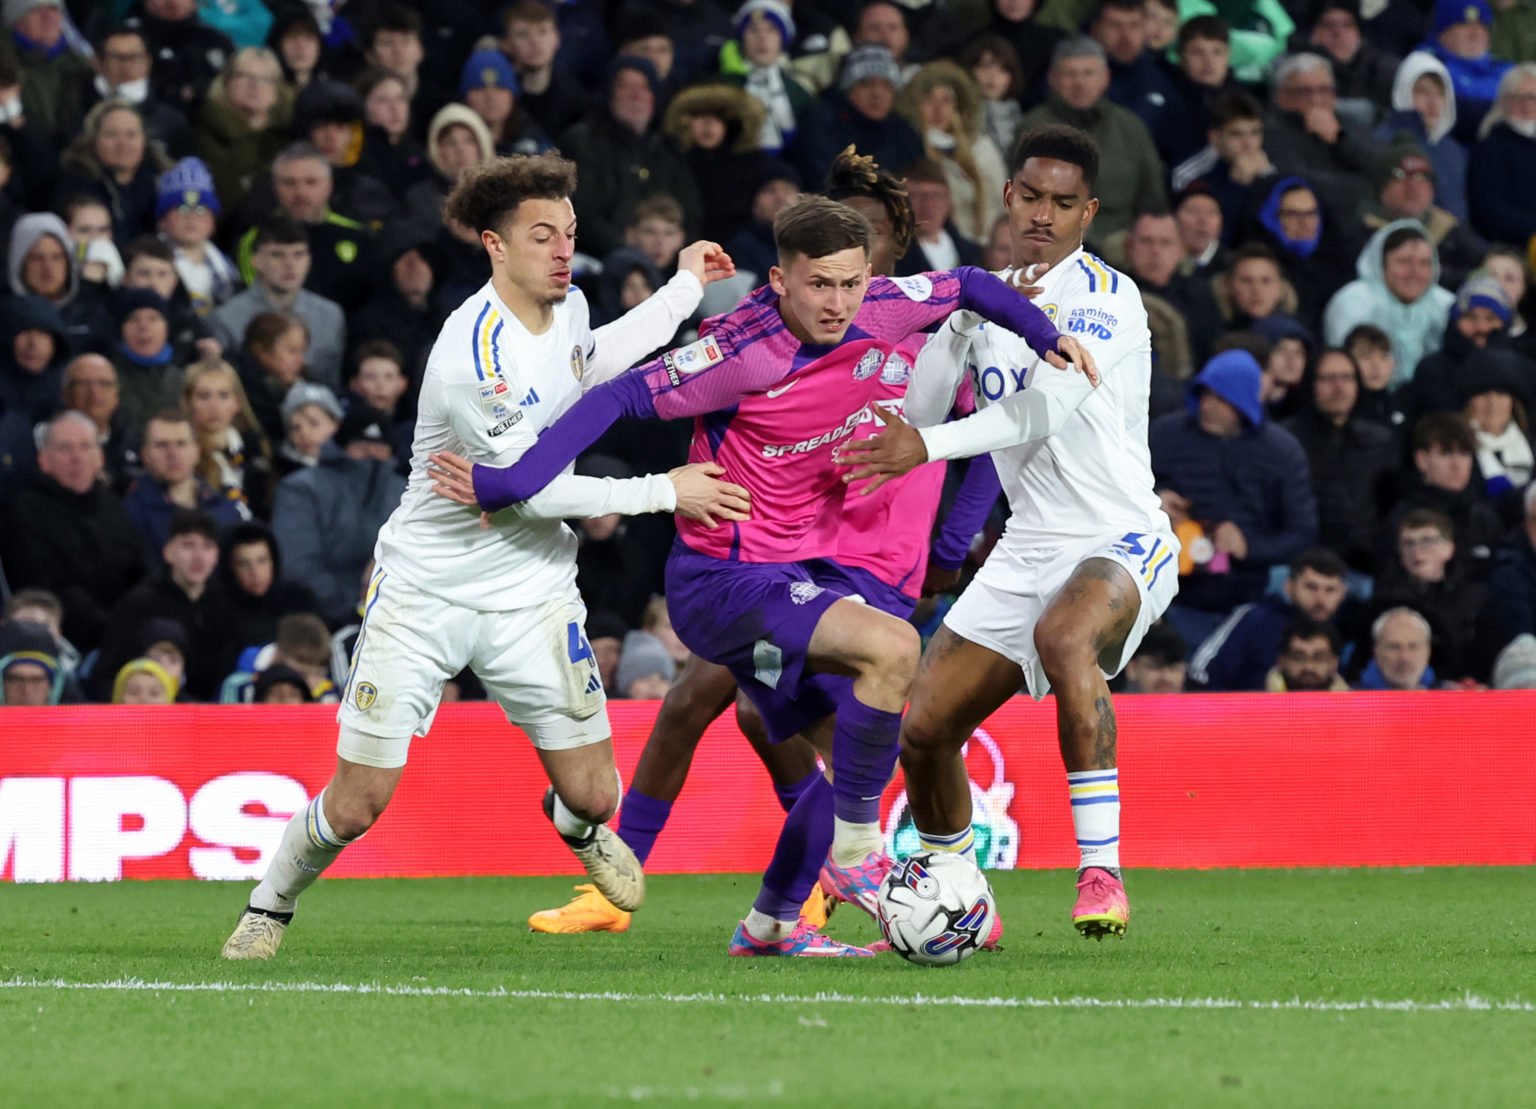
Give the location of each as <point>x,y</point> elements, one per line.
<point>226,263</point>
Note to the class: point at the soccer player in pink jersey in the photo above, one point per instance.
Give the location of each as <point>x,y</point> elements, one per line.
<point>883,556</point>
<point>774,385</point>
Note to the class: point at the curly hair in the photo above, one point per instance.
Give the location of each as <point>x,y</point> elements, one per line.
<point>854,174</point>
<point>488,195</point>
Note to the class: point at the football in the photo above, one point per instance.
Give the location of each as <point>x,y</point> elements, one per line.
<point>936,908</point>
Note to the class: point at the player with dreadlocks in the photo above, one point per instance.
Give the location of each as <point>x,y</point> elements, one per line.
<point>883,556</point>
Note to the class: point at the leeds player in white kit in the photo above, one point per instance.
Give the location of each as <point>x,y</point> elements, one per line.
<point>498,595</point>
<point>1088,561</point>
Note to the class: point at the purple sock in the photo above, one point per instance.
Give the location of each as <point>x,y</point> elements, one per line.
<point>864,749</point>
<point>641,820</point>
<point>789,794</point>
<point>799,854</point>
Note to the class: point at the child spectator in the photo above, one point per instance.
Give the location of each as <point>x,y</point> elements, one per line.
<point>380,381</point>
<point>165,643</point>
<point>1371,348</point>
<point>143,682</point>
<point>252,571</point>
<point>312,414</point>
<point>186,209</point>
<point>646,669</point>
<point>758,61</point>
<point>282,685</point>
<point>655,228</point>
<point>150,264</point>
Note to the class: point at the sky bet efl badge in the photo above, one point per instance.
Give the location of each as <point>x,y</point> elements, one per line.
<point>691,359</point>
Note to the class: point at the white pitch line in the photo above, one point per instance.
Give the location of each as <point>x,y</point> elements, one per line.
<point>1468,1003</point>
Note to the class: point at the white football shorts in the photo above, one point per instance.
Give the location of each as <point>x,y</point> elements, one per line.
<point>535,662</point>
<point>1000,608</point>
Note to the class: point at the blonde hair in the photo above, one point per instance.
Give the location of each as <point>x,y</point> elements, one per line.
<point>965,130</point>
<point>245,422</point>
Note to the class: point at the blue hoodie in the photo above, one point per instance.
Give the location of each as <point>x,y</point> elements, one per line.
<point>1269,216</point>
<point>1236,377</point>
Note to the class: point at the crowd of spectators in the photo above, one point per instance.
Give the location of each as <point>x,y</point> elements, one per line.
<point>226,263</point>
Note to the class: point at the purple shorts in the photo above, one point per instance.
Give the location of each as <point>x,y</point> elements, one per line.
<point>757,618</point>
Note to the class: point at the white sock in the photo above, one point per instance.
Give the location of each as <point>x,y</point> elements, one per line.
<point>308,846</point>
<point>761,926</point>
<point>852,842</point>
<point>961,843</point>
<point>1096,816</point>
<point>568,824</point>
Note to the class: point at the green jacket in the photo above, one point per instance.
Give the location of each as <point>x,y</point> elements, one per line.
<point>1514,34</point>
<point>52,90</point>
<point>234,153</point>
<point>1259,30</point>
<point>1130,172</point>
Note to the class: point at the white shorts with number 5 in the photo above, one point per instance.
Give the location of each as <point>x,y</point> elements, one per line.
<point>535,663</point>
<point>1000,608</point>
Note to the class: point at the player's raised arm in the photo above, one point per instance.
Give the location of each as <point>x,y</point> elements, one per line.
<point>618,345</point>
<point>997,302</point>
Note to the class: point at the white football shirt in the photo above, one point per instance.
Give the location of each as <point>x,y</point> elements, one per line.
<point>490,387</point>
<point>1072,459</point>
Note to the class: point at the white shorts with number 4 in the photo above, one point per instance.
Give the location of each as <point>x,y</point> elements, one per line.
<point>534,662</point>
<point>1000,608</point>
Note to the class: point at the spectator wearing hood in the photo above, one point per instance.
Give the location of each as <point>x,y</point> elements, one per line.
<point>1398,291</point>
<point>66,531</point>
<point>457,141</point>
<point>1351,460</point>
<point>553,95</point>
<point>251,566</point>
<point>1424,109</point>
<point>1242,479</point>
<point>189,53</point>
<point>148,377</point>
<point>1444,449</point>
<point>862,111</point>
<point>1315,252</point>
<point>55,68</point>
<point>717,128</point>
<point>1131,182</point>
<point>114,161</point>
<point>1503,162</point>
<point>42,263</point>
<point>757,60</point>
<point>944,105</point>
<point>489,86</point>
<point>31,370</point>
<point>405,308</point>
<point>1405,188</point>
<point>1459,36</point>
<point>623,157</point>
<point>1287,364</point>
<point>1479,322</point>
<point>243,123</point>
<point>326,517</point>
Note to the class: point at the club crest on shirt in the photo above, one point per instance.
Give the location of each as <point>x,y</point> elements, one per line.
<point>578,362</point>
<point>917,287</point>
<point>1050,311</point>
<point>691,359</point>
<point>869,365</point>
<point>804,592</point>
<point>896,371</point>
<point>367,694</point>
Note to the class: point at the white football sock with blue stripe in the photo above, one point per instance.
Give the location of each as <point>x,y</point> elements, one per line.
<point>1096,816</point>
<point>961,843</point>
<point>308,846</point>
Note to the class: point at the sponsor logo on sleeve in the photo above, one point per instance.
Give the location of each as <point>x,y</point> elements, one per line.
<point>917,287</point>
<point>1094,323</point>
<point>691,359</point>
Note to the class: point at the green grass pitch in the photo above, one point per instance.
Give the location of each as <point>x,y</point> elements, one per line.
<point>482,1012</point>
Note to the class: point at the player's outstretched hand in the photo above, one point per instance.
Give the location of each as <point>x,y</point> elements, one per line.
<point>1069,352</point>
<point>897,450</point>
<point>707,261</point>
<point>702,496</point>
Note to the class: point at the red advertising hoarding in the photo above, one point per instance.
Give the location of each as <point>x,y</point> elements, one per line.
<point>101,793</point>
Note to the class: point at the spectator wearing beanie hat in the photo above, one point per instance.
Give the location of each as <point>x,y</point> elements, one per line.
<point>757,59</point>
<point>312,416</point>
<point>1404,187</point>
<point>1479,320</point>
<point>862,111</point>
<point>143,681</point>
<point>646,671</point>
<point>1459,35</point>
<point>325,518</point>
<point>53,61</point>
<point>624,157</point>
<point>148,377</point>
<point>31,679</point>
<point>282,685</point>
<point>489,85</point>
<point>1424,109</point>
<point>186,209</point>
